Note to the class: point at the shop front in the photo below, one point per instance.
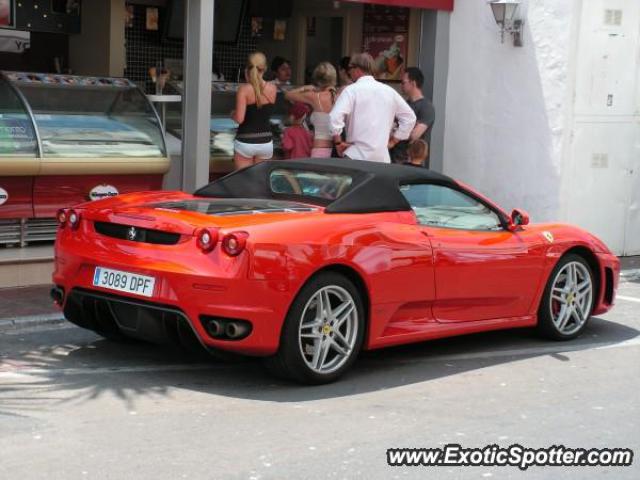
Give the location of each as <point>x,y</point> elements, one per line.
<point>67,138</point>
<point>304,32</point>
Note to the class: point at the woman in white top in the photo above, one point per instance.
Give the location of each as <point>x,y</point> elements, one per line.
<point>320,96</point>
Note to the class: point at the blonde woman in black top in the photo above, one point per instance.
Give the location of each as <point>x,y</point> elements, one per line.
<point>254,106</point>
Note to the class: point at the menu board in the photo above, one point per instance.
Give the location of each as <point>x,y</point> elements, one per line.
<point>385,37</point>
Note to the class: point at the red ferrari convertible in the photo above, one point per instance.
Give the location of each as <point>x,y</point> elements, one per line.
<point>308,262</point>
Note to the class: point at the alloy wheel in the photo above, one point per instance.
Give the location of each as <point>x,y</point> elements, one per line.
<point>329,329</point>
<point>571,298</point>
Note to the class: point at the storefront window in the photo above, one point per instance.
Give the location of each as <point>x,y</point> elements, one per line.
<point>94,122</point>
<point>17,135</point>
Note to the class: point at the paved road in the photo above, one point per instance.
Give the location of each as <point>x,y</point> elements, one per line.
<point>75,406</point>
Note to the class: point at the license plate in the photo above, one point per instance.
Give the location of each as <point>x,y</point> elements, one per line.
<point>124,281</point>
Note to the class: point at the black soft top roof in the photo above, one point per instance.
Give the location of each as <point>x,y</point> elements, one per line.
<point>374,188</point>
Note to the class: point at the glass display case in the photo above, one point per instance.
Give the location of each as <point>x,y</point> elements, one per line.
<point>17,133</point>
<point>89,117</point>
<point>64,137</point>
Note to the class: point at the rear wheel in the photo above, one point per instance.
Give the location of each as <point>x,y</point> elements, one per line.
<point>567,301</point>
<point>323,332</point>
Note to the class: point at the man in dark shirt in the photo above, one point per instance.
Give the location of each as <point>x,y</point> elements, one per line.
<point>412,82</point>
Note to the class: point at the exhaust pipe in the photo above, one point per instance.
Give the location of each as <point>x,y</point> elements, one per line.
<point>57,295</point>
<point>236,330</point>
<point>226,328</point>
<point>215,328</point>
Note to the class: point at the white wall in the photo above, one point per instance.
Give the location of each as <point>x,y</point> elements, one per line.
<point>506,107</point>
<point>552,127</point>
<point>601,183</point>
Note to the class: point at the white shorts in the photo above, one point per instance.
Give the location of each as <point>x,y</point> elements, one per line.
<point>263,151</point>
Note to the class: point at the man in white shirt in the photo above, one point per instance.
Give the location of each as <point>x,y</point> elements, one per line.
<point>371,108</point>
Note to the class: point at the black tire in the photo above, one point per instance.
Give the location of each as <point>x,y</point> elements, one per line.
<point>546,325</point>
<point>288,362</point>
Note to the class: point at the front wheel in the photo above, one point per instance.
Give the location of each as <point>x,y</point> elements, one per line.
<point>323,332</point>
<point>568,299</point>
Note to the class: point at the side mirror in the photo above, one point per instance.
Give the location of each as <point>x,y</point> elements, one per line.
<point>519,218</point>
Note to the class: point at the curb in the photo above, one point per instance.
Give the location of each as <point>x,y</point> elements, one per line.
<point>15,323</point>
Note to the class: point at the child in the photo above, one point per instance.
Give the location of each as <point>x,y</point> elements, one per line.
<point>296,139</point>
<point>418,152</point>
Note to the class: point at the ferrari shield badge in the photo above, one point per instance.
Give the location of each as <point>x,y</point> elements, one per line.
<point>548,235</point>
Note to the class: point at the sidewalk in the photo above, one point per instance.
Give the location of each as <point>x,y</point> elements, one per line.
<point>32,306</point>
<point>630,268</point>
<point>630,263</point>
<point>27,306</point>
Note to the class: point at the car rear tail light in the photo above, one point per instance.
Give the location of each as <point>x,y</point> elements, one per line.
<point>206,239</point>
<point>234,243</point>
<point>73,219</point>
<point>61,216</point>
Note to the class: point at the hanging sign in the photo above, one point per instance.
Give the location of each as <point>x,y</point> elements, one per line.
<point>14,41</point>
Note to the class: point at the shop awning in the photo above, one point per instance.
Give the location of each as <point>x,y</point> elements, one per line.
<point>426,4</point>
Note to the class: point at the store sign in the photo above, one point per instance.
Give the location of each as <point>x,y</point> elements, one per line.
<point>4,196</point>
<point>425,4</point>
<point>14,41</point>
<point>103,191</point>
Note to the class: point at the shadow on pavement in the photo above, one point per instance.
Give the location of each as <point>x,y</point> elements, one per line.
<point>78,372</point>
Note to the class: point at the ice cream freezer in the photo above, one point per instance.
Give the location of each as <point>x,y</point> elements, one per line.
<point>67,139</point>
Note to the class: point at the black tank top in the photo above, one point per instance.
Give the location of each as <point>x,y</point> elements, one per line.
<point>256,127</point>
